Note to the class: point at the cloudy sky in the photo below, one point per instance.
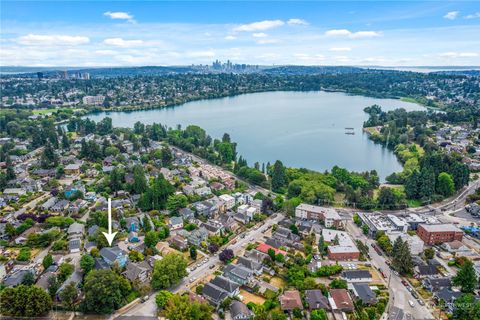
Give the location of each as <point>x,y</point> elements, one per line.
<point>123,33</point>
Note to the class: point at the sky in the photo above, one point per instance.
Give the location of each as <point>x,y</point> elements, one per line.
<point>138,33</point>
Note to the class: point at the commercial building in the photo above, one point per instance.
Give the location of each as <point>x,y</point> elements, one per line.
<point>329,216</point>
<point>433,234</point>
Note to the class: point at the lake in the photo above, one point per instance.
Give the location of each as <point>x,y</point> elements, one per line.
<point>302,129</point>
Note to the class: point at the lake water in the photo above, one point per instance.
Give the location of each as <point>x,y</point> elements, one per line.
<point>302,129</point>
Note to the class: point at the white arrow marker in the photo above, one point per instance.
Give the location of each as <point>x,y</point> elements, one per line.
<point>109,236</point>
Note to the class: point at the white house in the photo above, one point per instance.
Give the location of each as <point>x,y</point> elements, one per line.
<point>228,200</point>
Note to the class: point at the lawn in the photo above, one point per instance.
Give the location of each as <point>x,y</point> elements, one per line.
<point>277,282</point>
<point>250,297</point>
<point>44,111</point>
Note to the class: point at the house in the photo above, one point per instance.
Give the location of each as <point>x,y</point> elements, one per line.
<point>179,242</point>
<point>74,245</point>
<point>436,284</point>
<point>132,223</point>
<point>76,230</point>
<point>186,214</point>
<point>239,311</point>
<point>238,273</point>
<point>14,192</point>
<point>15,278</point>
<point>290,300</point>
<point>228,200</point>
<point>251,264</point>
<point>316,300</point>
<point>362,292</point>
<point>426,270</point>
<point>343,253</point>
<point>455,246</point>
<point>263,247</point>
<point>197,236</point>
<point>133,237</point>
<point>137,271</point>
<point>49,203</point>
<point>357,276</point>
<point>214,227</point>
<point>76,278</point>
<point>203,191</point>
<point>73,169</point>
<point>219,289</point>
<point>448,296</point>
<point>206,208</point>
<point>340,300</point>
<point>114,254</point>
<point>60,206</point>
<point>175,223</point>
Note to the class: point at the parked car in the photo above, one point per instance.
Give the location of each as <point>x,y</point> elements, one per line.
<point>411,303</point>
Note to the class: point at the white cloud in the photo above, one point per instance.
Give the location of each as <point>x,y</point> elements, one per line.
<point>309,58</point>
<point>266,41</point>
<point>452,15</point>
<point>340,49</point>
<point>297,22</point>
<point>259,26</point>
<point>352,35</point>
<point>119,42</point>
<point>230,37</point>
<point>119,15</point>
<point>260,35</point>
<point>201,54</point>
<point>475,15</point>
<point>52,40</point>
<point>454,55</point>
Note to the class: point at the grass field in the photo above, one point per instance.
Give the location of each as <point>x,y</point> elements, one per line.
<point>44,111</point>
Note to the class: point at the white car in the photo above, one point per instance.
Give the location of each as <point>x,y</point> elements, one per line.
<point>411,303</point>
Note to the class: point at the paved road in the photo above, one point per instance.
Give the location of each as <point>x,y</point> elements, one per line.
<point>148,308</point>
<point>399,295</point>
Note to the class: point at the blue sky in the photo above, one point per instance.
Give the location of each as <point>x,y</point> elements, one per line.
<point>124,33</point>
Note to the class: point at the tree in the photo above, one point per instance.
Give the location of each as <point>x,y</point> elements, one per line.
<point>69,296</point>
<point>65,270</point>
<point>318,314</point>
<point>466,307</point>
<point>213,248</point>
<point>176,202</point>
<point>466,277</point>
<point>28,279</point>
<point>151,239</point>
<point>162,298</point>
<point>321,246</point>
<point>445,184</point>
<point>338,284</point>
<point>86,263</point>
<point>429,253</point>
<point>226,255</point>
<point>271,253</point>
<point>24,301</point>
<point>105,291</point>
<point>279,177</point>
<point>402,259</point>
<point>182,308</point>
<point>155,197</point>
<point>168,271</point>
<point>53,286</point>
<point>49,158</point>
<point>139,181</point>
<point>193,253</point>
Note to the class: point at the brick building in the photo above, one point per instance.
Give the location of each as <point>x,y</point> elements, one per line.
<point>433,234</point>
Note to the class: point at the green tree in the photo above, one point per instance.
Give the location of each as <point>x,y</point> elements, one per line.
<point>139,180</point>
<point>28,279</point>
<point>429,253</point>
<point>168,271</point>
<point>162,298</point>
<point>338,284</point>
<point>176,202</point>
<point>105,291</point>
<point>181,308</point>
<point>86,263</point>
<point>47,261</point>
<point>69,296</point>
<point>445,184</point>
<point>193,253</point>
<point>466,277</point>
<point>319,314</point>
<point>279,177</point>
<point>53,286</point>
<point>24,301</point>
<point>151,239</point>
<point>466,307</point>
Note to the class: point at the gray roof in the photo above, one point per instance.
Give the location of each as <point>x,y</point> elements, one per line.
<point>238,308</point>
<point>74,244</point>
<point>214,293</point>
<point>111,253</point>
<point>249,263</point>
<point>356,274</point>
<point>225,284</point>
<point>238,271</point>
<point>364,292</point>
<point>316,299</point>
<point>447,295</point>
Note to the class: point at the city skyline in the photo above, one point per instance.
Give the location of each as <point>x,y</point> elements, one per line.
<point>362,33</point>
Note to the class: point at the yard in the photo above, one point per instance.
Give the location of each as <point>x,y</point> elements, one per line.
<point>250,297</point>
<point>277,282</point>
